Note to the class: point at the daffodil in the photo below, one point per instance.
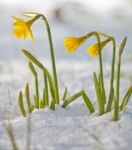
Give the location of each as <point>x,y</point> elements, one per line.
<point>22,28</point>
<point>93,50</point>
<point>72,43</point>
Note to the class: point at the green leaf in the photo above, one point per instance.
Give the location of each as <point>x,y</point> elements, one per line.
<point>45,100</point>
<point>37,91</point>
<point>32,108</point>
<point>42,103</point>
<point>110,101</point>
<point>20,104</point>
<point>35,102</point>
<point>88,103</point>
<point>28,98</point>
<point>32,69</point>
<point>98,94</point>
<point>46,95</point>
<point>31,66</point>
<point>52,105</point>
<point>65,94</point>
<point>72,98</point>
<point>43,69</point>
<point>126,99</point>
<point>122,45</point>
<point>116,108</point>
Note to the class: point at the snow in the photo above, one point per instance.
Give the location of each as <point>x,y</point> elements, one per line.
<point>72,128</point>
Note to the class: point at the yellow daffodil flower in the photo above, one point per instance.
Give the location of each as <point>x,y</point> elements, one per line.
<point>22,28</point>
<point>93,50</point>
<point>72,43</point>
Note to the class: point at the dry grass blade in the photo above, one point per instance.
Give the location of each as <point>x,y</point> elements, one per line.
<point>9,131</point>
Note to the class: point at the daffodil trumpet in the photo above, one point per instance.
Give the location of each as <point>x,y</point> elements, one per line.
<point>23,28</point>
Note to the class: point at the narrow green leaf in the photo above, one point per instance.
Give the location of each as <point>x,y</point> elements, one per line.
<point>35,102</point>
<point>42,103</point>
<point>99,82</point>
<point>43,69</point>
<point>98,94</point>
<point>65,94</point>
<point>122,45</point>
<point>46,95</point>
<point>88,103</point>
<point>32,68</point>
<point>116,108</point>
<point>37,91</point>
<point>72,98</point>
<point>126,99</point>
<point>46,102</point>
<point>28,97</point>
<point>110,101</point>
<point>32,108</point>
<point>52,105</point>
<point>20,104</point>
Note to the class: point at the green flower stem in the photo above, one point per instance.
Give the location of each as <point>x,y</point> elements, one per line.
<point>52,60</point>
<point>110,99</point>
<point>46,96</point>
<point>116,107</point>
<point>100,63</point>
<point>116,111</point>
<point>101,68</point>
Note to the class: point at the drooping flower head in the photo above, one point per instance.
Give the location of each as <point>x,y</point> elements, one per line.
<point>93,50</point>
<point>72,43</point>
<point>22,28</point>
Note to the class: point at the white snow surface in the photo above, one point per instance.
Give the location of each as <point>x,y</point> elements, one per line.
<point>72,128</point>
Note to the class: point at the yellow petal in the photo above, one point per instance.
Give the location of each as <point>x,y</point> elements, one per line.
<point>25,35</point>
<point>18,33</point>
<point>22,29</point>
<point>72,43</point>
<point>31,35</point>
<point>93,50</point>
<point>18,19</point>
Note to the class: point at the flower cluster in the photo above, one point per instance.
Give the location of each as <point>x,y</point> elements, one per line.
<point>51,95</point>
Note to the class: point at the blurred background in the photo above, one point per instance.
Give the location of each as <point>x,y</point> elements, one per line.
<point>66,17</point>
